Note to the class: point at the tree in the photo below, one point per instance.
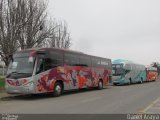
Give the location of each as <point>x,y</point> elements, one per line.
<point>8,29</point>
<point>23,24</point>
<point>157,65</point>
<point>35,30</point>
<point>60,37</point>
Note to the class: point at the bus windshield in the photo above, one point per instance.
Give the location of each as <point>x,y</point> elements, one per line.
<point>20,66</point>
<point>117,69</point>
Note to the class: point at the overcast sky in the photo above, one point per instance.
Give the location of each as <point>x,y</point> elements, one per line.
<point>116,29</point>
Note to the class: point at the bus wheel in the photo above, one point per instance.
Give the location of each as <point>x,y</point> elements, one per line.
<point>141,80</point>
<point>100,85</point>
<point>57,89</point>
<point>114,84</point>
<point>130,81</point>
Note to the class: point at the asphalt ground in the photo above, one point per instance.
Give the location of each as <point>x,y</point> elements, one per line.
<point>136,98</point>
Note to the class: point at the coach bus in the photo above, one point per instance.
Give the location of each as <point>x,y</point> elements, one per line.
<point>127,72</point>
<point>152,73</point>
<point>54,70</point>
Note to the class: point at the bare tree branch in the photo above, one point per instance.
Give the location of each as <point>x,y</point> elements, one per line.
<point>23,24</point>
<point>60,37</point>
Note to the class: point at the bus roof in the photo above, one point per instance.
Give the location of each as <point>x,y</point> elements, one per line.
<point>59,49</point>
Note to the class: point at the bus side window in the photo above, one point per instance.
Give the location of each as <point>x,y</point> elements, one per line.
<point>40,66</point>
<point>48,64</point>
<point>85,61</point>
<point>71,59</point>
<point>43,65</point>
<point>96,62</point>
<point>106,64</point>
<point>57,58</point>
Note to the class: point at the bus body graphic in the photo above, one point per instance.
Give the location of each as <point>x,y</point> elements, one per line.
<point>38,71</point>
<point>126,72</point>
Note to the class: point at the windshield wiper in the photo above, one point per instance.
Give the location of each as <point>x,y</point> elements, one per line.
<point>12,73</point>
<point>16,72</point>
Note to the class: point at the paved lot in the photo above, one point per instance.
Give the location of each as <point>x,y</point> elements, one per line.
<point>137,98</point>
<point>153,108</point>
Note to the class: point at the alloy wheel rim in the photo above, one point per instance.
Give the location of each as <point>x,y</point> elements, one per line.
<point>100,84</point>
<point>58,89</point>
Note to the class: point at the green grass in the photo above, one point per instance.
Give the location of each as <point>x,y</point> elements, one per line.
<point>2,81</point>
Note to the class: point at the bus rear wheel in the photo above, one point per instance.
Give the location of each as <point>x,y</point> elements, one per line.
<point>130,81</point>
<point>100,85</point>
<point>57,89</point>
<point>141,80</point>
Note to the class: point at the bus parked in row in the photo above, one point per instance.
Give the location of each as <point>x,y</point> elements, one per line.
<point>54,70</point>
<point>152,73</point>
<point>127,72</point>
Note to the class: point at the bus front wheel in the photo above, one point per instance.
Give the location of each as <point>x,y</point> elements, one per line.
<point>57,89</point>
<point>141,80</point>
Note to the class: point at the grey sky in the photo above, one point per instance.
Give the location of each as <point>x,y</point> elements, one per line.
<point>126,29</point>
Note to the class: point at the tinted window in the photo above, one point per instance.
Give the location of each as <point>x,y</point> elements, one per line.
<point>85,61</point>
<point>46,63</point>
<point>49,64</point>
<point>71,59</point>
<point>56,58</point>
<point>109,64</point>
<point>20,67</point>
<point>104,63</point>
<point>118,70</point>
<point>96,62</point>
<point>133,67</point>
<point>40,65</point>
<point>128,67</point>
<point>113,66</point>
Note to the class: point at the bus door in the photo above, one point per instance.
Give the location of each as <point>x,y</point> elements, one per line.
<point>43,65</point>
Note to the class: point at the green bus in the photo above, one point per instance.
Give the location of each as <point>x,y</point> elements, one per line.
<point>127,72</point>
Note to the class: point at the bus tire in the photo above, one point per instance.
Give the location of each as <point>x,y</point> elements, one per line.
<point>141,80</point>
<point>100,85</point>
<point>130,81</point>
<point>57,89</point>
<point>114,84</point>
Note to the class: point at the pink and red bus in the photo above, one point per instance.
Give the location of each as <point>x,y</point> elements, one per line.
<point>152,74</point>
<point>44,70</point>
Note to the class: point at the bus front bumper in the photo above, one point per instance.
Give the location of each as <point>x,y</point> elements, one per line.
<point>120,82</point>
<point>23,89</point>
